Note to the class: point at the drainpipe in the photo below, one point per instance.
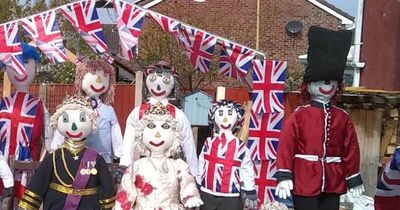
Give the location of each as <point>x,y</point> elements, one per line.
<point>357,44</point>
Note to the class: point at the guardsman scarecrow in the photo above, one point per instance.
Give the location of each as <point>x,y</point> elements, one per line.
<point>318,153</point>
<point>226,174</point>
<point>73,176</point>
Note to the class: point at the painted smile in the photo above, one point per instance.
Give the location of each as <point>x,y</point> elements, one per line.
<point>21,79</point>
<point>326,92</point>
<point>226,127</point>
<point>158,144</point>
<point>74,135</point>
<point>157,94</point>
<point>97,90</point>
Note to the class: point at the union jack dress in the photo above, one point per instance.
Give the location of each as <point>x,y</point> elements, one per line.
<point>388,188</point>
<point>21,126</point>
<point>225,167</point>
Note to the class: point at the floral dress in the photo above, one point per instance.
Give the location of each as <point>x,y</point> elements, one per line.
<point>148,187</point>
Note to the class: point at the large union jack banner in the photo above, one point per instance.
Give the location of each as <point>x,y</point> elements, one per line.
<point>83,17</point>
<point>235,60</point>
<point>265,180</point>
<point>268,85</point>
<point>44,30</point>
<point>264,131</point>
<point>166,23</point>
<point>130,22</point>
<point>17,117</point>
<point>10,48</point>
<point>198,46</point>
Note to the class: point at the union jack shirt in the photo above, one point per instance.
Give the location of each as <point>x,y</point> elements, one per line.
<point>224,164</point>
<point>21,125</point>
<point>389,182</point>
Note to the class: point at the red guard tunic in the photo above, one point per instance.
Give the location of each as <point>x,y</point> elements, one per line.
<point>318,150</point>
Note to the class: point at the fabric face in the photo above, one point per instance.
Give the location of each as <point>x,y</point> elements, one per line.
<point>158,136</point>
<point>225,118</point>
<point>22,82</point>
<point>95,84</point>
<point>160,85</point>
<point>74,124</point>
<point>322,90</point>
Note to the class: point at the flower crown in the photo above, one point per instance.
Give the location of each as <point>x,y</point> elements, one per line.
<point>157,109</point>
<point>76,100</point>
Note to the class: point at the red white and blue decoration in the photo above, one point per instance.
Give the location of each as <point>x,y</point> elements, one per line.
<point>44,30</point>
<point>198,46</point>
<point>268,85</point>
<point>167,24</point>
<point>83,17</point>
<point>129,23</point>
<point>265,181</point>
<point>10,48</point>
<point>235,60</point>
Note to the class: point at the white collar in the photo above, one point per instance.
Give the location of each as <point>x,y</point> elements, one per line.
<point>153,101</point>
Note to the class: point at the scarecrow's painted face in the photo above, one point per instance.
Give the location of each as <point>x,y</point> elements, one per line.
<point>95,84</point>
<point>160,85</point>
<point>158,136</point>
<point>322,90</point>
<point>225,118</point>
<point>22,82</point>
<point>74,124</point>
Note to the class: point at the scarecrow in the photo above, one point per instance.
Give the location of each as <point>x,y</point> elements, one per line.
<point>318,153</point>
<point>73,176</point>
<point>158,181</point>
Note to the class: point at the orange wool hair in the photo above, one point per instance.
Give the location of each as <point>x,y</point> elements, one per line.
<point>91,66</point>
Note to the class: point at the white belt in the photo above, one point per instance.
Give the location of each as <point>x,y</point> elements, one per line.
<point>316,158</point>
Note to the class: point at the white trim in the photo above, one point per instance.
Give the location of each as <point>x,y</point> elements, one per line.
<point>151,4</point>
<point>345,20</point>
<point>352,176</point>
<point>284,170</point>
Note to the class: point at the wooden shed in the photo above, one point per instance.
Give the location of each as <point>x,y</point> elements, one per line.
<point>195,106</point>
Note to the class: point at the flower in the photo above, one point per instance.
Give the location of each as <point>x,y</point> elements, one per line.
<point>126,205</point>
<point>122,196</point>
<point>138,181</point>
<point>146,189</point>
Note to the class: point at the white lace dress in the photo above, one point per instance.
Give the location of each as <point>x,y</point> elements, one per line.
<point>160,184</point>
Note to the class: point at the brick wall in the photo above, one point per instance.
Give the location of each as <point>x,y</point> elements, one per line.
<point>236,20</point>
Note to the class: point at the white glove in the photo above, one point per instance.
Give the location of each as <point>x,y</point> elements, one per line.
<point>193,202</point>
<point>357,190</point>
<point>283,189</point>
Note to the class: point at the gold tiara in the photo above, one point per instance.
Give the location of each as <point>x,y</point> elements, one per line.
<point>157,109</point>
<point>76,100</point>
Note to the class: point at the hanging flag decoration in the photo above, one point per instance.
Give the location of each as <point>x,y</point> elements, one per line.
<point>268,85</point>
<point>235,60</point>
<point>264,131</point>
<point>130,22</point>
<point>10,47</point>
<point>44,30</point>
<point>166,23</point>
<point>83,17</point>
<point>198,46</point>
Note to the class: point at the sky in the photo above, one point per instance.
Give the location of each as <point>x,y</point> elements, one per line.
<point>349,6</point>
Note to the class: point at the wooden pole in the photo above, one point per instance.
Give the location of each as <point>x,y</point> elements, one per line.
<point>138,88</point>
<point>220,93</point>
<point>6,85</point>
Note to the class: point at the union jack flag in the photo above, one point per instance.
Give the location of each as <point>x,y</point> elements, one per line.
<point>264,131</point>
<point>83,17</point>
<point>198,46</point>
<point>235,60</point>
<point>167,24</point>
<point>265,180</point>
<point>17,117</point>
<point>44,30</point>
<point>222,160</point>
<point>268,85</point>
<point>10,47</point>
<point>130,22</point>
